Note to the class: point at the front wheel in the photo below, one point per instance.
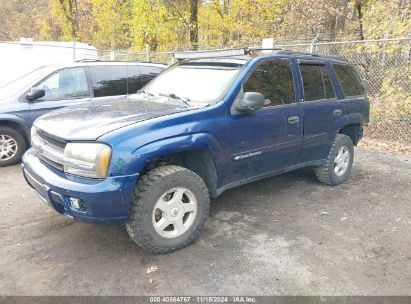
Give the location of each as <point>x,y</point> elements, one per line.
<point>338,165</point>
<point>169,207</point>
<point>12,146</point>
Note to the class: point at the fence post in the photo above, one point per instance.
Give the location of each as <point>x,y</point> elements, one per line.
<point>147,52</point>
<point>313,42</point>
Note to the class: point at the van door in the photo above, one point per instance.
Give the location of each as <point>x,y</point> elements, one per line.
<point>108,80</point>
<point>63,88</point>
<point>268,139</point>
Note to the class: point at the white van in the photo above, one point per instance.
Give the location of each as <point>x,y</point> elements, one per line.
<point>19,58</point>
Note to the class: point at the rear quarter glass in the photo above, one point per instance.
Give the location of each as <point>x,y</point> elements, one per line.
<point>349,79</point>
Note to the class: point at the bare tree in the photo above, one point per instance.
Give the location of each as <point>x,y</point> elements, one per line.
<point>194,24</point>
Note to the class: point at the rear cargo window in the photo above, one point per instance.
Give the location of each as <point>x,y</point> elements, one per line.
<point>349,79</point>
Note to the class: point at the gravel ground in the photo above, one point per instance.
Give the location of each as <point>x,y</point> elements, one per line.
<point>287,235</point>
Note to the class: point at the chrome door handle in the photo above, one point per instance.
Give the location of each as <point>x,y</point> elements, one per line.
<point>293,120</point>
<point>337,112</point>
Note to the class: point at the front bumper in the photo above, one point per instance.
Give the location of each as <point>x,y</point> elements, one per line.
<point>107,201</point>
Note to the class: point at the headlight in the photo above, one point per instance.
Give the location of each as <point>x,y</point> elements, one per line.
<point>87,159</point>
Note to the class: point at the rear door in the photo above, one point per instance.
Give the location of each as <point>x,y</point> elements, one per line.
<point>321,107</point>
<point>63,88</point>
<point>268,139</point>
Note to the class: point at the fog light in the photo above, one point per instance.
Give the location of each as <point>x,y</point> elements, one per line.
<point>77,204</point>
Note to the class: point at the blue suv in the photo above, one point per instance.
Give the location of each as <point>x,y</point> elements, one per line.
<point>60,85</point>
<point>154,159</point>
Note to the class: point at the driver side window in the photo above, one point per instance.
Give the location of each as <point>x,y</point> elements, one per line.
<point>273,79</point>
<point>65,84</point>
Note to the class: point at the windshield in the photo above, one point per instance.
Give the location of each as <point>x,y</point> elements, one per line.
<point>23,82</point>
<point>202,82</point>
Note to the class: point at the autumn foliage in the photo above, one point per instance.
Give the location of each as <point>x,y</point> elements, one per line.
<point>188,24</point>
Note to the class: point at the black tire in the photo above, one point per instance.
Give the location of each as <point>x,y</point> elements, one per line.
<point>21,146</point>
<point>149,189</point>
<point>325,173</point>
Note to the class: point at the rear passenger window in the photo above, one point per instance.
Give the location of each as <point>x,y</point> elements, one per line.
<point>328,85</point>
<point>274,80</point>
<point>140,75</point>
<point>317,83</point>
<point>109,80</point>
<point>135,81</point>
<point>349,79</point>
<point>149,72</point>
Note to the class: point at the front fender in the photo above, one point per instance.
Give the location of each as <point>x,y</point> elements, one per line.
<point>141,156</point>
<point>16,120</point>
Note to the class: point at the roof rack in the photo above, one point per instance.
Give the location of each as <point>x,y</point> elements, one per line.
<point>87,60</point>
<point>227,53</point>
<point>287,51</point>
<point>241,52</point>
<point>284,51</point>
<point>211,53</point>
<point>251,49</point>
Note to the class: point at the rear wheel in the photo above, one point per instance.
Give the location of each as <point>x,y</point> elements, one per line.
<point>169,207</point>
<point>12,146</point>
<point>338,165</point>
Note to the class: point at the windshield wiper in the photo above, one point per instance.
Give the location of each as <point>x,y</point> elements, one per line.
<point>185,100</point>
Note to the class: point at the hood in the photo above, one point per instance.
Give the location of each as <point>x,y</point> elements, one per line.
<point>96,118</point>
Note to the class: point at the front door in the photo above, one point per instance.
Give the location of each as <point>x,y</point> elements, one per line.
<point>268,139</point>
<point>63,88</point>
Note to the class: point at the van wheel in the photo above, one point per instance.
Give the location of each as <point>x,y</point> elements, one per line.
<point>338,165</point>
<point>168,209</point>
<point>12,146</point>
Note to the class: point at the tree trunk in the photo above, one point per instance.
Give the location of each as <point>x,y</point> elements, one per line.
<point>194,24</point>
<point>70,13</point>
<point>358,7</point>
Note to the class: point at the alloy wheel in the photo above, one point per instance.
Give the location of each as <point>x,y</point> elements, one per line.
<point>174,212</point>
<point>8,147</point>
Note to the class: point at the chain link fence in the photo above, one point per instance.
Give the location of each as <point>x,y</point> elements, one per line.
<point>384,66</point>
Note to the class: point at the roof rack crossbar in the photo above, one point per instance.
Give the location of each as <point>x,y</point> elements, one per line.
<point>210,53</point>
<point>87,60</point>
<point>267,49</point>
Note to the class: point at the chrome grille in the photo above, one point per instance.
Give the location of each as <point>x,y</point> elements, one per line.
<point>49,149</point>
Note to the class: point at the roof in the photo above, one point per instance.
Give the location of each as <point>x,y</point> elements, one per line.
<point>98,62</point>
<point>305,55</point>
<point>105,63</point>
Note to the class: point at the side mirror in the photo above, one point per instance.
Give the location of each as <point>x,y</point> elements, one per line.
<point>251,101</point>
<point>35,94</point>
